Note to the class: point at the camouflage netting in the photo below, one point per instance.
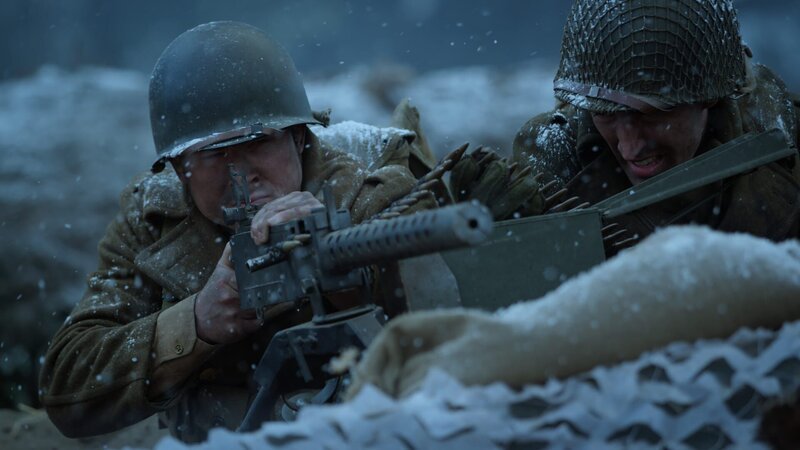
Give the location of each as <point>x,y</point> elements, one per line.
<point>706,395</point>
<point>664,52</point>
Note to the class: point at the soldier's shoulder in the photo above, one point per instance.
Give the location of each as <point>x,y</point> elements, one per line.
<point>767,76</point>
<point>770,104</point>
<point>156,194</point>
<point>548,140</point>
<point>373,146</point>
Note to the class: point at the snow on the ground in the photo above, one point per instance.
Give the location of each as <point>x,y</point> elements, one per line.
<point>69,142</point>
<point>482,105</point>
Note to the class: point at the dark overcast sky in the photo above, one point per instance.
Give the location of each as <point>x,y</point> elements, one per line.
<point>325,35</point>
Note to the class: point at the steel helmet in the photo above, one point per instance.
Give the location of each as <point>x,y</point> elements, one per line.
<point>219,84</point>
<point>649,54</point>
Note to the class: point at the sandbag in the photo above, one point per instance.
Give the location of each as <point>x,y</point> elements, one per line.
<point>682,283</point>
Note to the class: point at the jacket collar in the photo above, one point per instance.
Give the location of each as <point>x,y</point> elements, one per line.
<point>184,257</point>
<point>185,254</point>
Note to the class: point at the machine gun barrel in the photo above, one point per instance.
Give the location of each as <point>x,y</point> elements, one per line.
<point>405,236</point>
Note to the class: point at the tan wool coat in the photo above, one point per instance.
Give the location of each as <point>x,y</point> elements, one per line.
<point>129,348</point>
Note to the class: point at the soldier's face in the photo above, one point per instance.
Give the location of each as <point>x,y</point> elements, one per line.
<point>270,165</point>
<point>648,144</point>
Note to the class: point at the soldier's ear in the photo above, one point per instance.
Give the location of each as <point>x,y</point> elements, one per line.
<point>299,137</point>
<point>178,164</point>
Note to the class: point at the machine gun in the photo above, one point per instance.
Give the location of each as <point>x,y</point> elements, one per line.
<point>323,253</point>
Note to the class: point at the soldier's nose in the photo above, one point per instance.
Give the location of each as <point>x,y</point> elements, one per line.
<point>244,167</point>
<point>252,176</point>
<point>630,142</point>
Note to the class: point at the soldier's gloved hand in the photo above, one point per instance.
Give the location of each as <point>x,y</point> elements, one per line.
<point>218,317</point>
<point>292,206</point>
<point>505,189</point>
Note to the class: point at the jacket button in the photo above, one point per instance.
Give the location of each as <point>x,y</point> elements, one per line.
<point>178,348</point>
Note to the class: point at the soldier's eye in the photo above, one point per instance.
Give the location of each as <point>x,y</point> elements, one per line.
<point>212,155</point>
<point>602,117</point>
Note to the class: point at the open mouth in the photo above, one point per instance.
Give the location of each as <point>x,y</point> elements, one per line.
<point>646,162</point>
<point>646,167</point>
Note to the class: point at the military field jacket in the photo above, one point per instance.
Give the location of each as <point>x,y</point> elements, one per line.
<point>564,145</point>
<point>129,348</point>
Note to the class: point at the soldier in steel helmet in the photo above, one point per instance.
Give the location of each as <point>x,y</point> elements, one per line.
<point>159,329</point>
<point>644,85</point>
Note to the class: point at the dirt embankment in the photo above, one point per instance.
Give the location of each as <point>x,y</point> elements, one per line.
<point>31,430</point>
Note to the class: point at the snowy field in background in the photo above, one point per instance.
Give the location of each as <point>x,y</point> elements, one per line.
<point>72,140</point>
<point>481,105</point>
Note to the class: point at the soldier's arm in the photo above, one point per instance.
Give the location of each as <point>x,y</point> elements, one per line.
<point>547,143</point>
<point>364,193</point>
<point>380,188</point>
<point>103,362</point>
<point>177,352</point>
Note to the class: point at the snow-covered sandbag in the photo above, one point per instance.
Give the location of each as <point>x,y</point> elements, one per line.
<point>682,283</point>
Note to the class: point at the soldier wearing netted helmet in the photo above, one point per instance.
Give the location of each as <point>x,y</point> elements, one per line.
<point>645,85</point>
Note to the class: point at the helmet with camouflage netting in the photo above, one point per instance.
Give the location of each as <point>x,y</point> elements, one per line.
<point>649,55</point>
<point>219,84</point>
